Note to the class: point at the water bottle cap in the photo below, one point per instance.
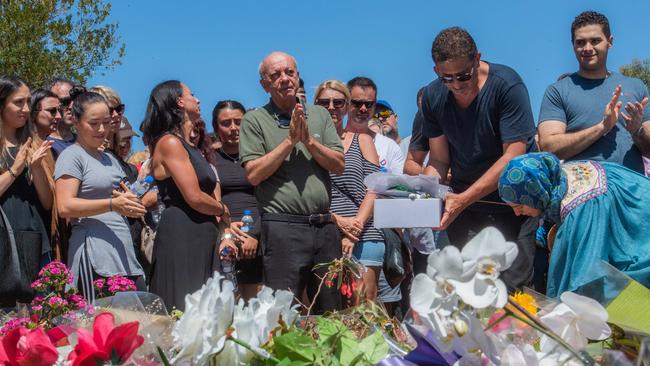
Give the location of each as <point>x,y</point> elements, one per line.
<point>148,179</point>
<point>383,169</point>
<point>248,212</point>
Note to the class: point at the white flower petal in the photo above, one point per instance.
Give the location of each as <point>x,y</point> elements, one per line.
<point>448,262</point>
<point>422,294</point>
<point>477,293</point>
<point>491,243</point>
<point>592,327</point>
<point>584,305</point>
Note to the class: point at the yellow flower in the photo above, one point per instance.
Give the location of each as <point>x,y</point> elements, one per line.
<point>526,301</point>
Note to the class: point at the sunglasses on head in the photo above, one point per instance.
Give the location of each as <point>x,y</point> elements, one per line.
<point>462,77</point>
<point>360,103</point>
<point>118,108</point>
<point>52,111</point>
<point>65,102</point>
<point>325,102</point>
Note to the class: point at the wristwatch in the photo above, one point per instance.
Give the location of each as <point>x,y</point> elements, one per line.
<point>639,132</point>
<point>227,236</point>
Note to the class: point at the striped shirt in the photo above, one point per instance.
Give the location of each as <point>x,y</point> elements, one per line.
<point>349,190</point>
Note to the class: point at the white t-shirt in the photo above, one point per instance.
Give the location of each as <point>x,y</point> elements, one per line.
<point>646,162</point>
<point>390,155</point>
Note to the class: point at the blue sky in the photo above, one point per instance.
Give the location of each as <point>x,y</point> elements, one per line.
<point>215,47</point>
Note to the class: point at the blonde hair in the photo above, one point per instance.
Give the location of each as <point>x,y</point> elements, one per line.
<point>109,94</point>
<point>334,85</point>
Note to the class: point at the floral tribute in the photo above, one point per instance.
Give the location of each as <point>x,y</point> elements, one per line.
<point>112,285</point>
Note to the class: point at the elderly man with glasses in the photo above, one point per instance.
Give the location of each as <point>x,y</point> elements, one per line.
<point>477,117</point>
<point>288,150</point>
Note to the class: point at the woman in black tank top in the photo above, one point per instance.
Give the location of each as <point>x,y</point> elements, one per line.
<point>185,250</point>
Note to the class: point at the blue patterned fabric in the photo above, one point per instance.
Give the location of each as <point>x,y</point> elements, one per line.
<point>534,180</point>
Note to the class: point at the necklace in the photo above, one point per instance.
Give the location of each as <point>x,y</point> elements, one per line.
<point>230,157</point>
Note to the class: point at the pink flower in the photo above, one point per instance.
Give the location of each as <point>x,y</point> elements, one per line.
<point>27,347</point>
<point>106,342</point>
<point>12,324</point>
<point>56,301</point>
<point>99,283</point>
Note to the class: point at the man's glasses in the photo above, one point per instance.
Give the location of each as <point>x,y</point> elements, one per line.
<point>118,108</point>
<point>383,114</point>
<point>324,102</point>
<point>360,103</point>
<point>52,111</point>
<point>462,77</point>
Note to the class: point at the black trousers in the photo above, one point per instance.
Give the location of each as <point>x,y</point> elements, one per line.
<point>518,229</point>
<point>290,249</point>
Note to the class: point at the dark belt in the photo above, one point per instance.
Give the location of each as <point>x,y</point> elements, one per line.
<point>314,219</point>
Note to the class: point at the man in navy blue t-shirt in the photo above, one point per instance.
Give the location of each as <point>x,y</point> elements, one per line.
<point>477,117</point>
<point>581,116</point>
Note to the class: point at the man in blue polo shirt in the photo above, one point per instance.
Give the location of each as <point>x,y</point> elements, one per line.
<point>594,113</point>
<point>477,117</point>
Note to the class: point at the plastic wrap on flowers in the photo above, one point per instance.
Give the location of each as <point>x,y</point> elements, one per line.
<point>385,184</point>
<point>149,311</point>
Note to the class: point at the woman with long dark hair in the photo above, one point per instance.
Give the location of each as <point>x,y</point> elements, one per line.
<point>185,249</point>
<point>87,183</point>
<point>25,195</point>
<point>238,194</point>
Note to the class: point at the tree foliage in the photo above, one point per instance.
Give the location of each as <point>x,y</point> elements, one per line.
<point>638,69</point>
<point>41,39</point>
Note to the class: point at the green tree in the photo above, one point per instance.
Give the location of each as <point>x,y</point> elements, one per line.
<point>638,69</point>
<point>41,39</point>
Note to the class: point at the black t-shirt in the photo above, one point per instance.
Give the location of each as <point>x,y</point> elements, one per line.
<point>501,113</point>
<point>236,192</point>
<point>418,141</point>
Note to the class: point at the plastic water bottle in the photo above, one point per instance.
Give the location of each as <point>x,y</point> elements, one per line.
<point>156,213</point>
<point>247,221</point>
<point>141,186</point>
<point>228,265</point>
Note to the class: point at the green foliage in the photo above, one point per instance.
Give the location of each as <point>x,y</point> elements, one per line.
<point>638,69</point>
<point>336,346</point>
<point>41,39</point>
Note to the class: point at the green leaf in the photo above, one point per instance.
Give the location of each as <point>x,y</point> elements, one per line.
<point>374,347</point>
<point>329,330</point>
<point>296,346</point>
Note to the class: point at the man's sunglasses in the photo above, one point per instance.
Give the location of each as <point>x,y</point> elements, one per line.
<point>383,114</point>
<point>462,77</point>
<point>323,102</point>
<point>52,111</point>
<point>118,108</point>
<point>360,103</point>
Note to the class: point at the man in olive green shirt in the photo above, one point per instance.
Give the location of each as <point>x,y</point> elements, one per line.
<point>288,150</point>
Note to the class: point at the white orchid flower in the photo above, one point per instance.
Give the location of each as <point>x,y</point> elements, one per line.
<point>577,319</point>
<point>525,355</point>
<point>486,255</point>
<point>432,294</point>
<point>267,308</point>
<point>201,331</point>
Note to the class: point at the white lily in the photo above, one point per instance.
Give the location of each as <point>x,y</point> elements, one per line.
<point>577,319</point>
<point>486,256</point>
<point>200,333</point>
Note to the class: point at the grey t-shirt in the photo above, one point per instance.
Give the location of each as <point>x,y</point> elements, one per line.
<point>105,238</point>
<point>580,103</point>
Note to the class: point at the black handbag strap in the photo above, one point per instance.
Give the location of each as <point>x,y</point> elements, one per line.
<point>13,269</point>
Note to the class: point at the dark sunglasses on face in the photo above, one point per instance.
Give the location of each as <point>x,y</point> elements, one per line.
<point>324,102</point>
<point>52,111</point>
<point>359,103</point>
<point>462,77</point>
<point>383,114</point>
<point>118,108</point>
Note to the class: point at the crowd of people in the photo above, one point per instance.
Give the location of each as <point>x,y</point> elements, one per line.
<point>298,169</point>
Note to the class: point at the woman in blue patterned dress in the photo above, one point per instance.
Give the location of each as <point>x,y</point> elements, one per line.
<point>602,211</point>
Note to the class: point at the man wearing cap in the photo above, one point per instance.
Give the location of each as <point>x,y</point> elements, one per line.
<point>385,114</point>
<point>123,139</point>
<point>288,151</point>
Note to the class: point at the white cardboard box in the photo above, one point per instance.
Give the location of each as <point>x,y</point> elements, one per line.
<point>407,213</point>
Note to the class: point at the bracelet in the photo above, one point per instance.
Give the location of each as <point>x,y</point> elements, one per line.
<point>639,132</point>
<point>110,204</point>
<point>12,173</point>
